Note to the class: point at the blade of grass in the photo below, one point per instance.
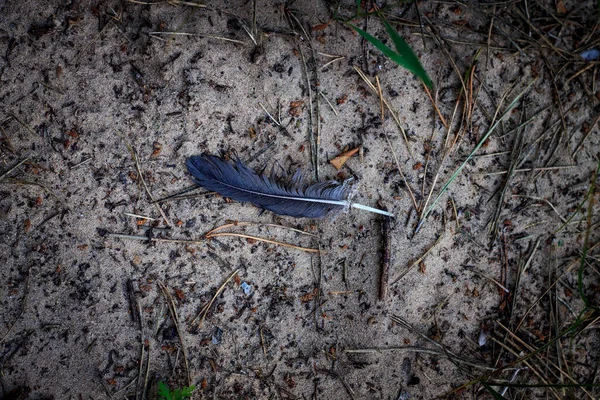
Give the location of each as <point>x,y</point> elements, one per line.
<point>406,52</point>
<point>496,395</point>
<point>479,144</point>
<point>406,58</point>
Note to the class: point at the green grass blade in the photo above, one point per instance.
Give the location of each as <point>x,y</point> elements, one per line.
<point>411,60</point>
<point>479,144</point>
<point>401,59</point>
<point>497,396</point>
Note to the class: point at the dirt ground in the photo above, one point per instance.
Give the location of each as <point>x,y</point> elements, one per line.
<point>492,289</point>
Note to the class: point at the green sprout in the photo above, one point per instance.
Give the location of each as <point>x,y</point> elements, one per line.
<point>165,393</point>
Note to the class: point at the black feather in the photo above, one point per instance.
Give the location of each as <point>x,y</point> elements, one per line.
<point>240,183</point>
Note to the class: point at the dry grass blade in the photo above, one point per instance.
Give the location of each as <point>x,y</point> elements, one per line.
<point>414,349</point>
<point>23,306</point>
<point>515,159</point>
<point>394,116</point>
<point>443,350</point>
<point>201,35</point>
<point>186,3</point>
<point>241,235</point>
<point>479,144</point>
<point>520,358</point>
<point>540,169</point>
<point>154,239</point>
<point>435,106</point>
<point>313,121</point>
<point>141,177</point>
<point>590,129</point>
<point>175,318</point>
<point>407,270</point>
<point>13,168</point>
<point>243,223</point>
<point>549,366</point>
<point>206,308</point>
<point>374,89</point>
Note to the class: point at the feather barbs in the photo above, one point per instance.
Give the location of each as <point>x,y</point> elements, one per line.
<point>238,182</point>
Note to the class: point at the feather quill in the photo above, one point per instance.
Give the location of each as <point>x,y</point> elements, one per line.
<point>241,183</point>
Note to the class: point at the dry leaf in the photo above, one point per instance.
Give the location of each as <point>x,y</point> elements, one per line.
<point>339,161</point>
<point>157,148</point>
<point>560,8</point>
<point>321,27</point>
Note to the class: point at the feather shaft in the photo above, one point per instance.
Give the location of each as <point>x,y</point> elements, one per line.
<point>371,209</point>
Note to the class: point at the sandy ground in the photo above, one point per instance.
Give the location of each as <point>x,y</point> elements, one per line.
<point>101,104</point>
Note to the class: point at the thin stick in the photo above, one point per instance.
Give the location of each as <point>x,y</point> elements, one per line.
<point>154,239</point>
<point>244,223</point>
<point>492,128</point>
<point>278,123</point>
<point>414,349</point>
<point>329,103</point>
<point>23,305</point>
<point>580,144</point>
<point>491,279</point>
<point>394,116</point>
<point>197,35</point>
<point>139,171</point>
<point>530,169</point>
<point>403,274</point>
<point>380,95</point>
<point>437,110</point>
<point>139,216</point>
<point>15,167</point>
<point>241,235</point>
<point>386,257</point>
<point>175,318</point>
<point>24,124</point>
<point>207,307</point>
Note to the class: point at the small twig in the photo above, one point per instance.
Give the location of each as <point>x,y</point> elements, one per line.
<point>528,170</point>
<point>23,305</point>
<point>329,103</point>
<point>139,216</point>
<point>386,256</point>
<point>206,308</point>
<point>82,162</point>
<point>241,235</point>
<point>154,239</point>
<point>437,110</point>
<point>278,123</point>
<point>15,167</point>
<point>244,223</point>
<point>139,171</point>
<point>348,388</point>
<point>414,349</point>
<point>491,279</point>
<point>394,116</point>
<point>403,274</point>
<point>175,318</point>
<point>24,124</point>
<point>380,95</point>
<point>262,341</point>
<point>140,370</point>
<point>197,35</point>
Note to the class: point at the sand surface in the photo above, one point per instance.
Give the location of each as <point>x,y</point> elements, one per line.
<point>101,103</point>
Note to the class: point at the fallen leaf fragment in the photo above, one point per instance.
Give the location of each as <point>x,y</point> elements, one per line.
<point>339,161</point>
<point>321,27</point>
